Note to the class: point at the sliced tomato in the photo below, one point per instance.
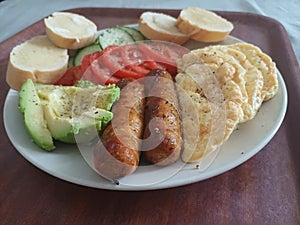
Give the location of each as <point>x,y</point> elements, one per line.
<point>90,76</point>
<point>95,71</point>
<point>88,59</point>
<point>112,59</point>
<point>85,62</point>
<point>126,61</point>
<point>99,77</point>
<point>100,73</point>
<point>164,53</point>
<point>125,73</point>
<point>94,56</point>
<point>71,76</point>
<point>134,59</point>
<point>152,65</point>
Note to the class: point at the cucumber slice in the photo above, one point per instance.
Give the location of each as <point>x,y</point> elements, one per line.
<point>114,36</point>
<point>85,51</point>
<point>136,34</point>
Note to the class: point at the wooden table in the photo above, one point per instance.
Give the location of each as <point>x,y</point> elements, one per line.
<point>263,190</point>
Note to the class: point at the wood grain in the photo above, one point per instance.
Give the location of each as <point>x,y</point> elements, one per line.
<point>263,190</point>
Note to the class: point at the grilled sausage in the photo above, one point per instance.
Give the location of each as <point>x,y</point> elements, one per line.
<point>117,153</point>
<point>162,122</point>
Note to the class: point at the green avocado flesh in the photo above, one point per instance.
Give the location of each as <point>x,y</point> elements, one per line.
<point>70,114</point>
<point>32,110</point>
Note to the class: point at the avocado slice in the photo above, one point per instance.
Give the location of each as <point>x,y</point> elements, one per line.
<point>70,119</point>
<point>77,114</point>
<point>32,110</point>
<point>106,95</point>
<point>68,114</point>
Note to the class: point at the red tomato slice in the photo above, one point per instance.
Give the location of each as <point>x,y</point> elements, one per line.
<point>88,59</point>
<point>112,59</point>
<point>85,62</point>
<point>90,76</point>
<point>127,61</point>
<point>125,73</point>
<point>95,56</point>
<point>71,76</point>
<point>134,59</point>
<point>151,65</point>
<point>94,72</point>
<point>164,53</point>
<point>101,74</point>
<point>99,77</point>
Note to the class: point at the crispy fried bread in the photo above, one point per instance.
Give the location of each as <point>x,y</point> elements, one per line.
<point>210,109</point>
<point>245,77</point>
<point>263,63</point>
<point>250,80</point>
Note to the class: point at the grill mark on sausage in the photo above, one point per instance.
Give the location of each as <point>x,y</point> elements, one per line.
<point>162,103</point>
<point>114,157</point>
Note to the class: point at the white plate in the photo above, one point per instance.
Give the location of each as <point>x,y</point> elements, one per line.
<point>67,163</point>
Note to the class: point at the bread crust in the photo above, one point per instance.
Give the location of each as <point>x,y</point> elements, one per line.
<point>155,30</point>
<point>23,62</point>
<point>79,31</point>
<point>191,22</point>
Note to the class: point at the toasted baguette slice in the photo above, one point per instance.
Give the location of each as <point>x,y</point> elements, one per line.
<point>202,25</point>
<point>69,30</point>
<point>159,26</point>
<point>37,59</point>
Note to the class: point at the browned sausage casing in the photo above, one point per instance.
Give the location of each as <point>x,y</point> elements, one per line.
<point>117,157</point>
<point>162,102</point>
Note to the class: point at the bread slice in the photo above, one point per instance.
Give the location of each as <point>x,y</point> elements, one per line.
<point>159,26</point>
<point>69,30</point>
<point>203,25</point>
<point>37,59</point>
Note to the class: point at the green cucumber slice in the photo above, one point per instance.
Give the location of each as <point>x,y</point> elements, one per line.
<point>85,51</point>
<point>114,36</point>
<point>135,33</point>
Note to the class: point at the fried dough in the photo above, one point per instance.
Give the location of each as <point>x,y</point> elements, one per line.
<point>263,63</point>
<point>252,82</point>
<point>210,109</point>
<point>244,75</point>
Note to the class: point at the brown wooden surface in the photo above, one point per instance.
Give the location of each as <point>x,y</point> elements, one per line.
<point>263,190</point>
